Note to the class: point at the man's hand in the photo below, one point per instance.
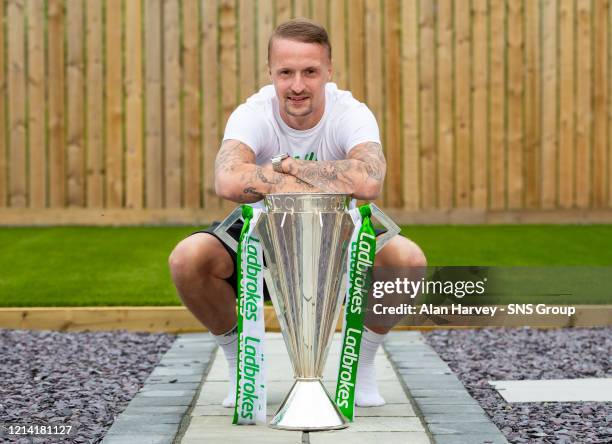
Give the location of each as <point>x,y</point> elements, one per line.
<point>239,179</point>
<point>360,175</point>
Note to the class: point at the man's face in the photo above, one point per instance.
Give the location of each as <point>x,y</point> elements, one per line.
<point>299,72</point>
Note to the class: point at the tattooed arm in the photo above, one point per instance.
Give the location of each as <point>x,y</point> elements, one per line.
<point>239,179</point>
<point>360,175</point>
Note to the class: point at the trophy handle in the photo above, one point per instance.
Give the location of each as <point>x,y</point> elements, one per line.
<point>221,230</point>
<point>390,226</point>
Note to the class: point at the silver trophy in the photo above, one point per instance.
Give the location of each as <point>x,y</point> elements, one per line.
<point>305,239</point>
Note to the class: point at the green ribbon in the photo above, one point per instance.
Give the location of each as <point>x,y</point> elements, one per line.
<point>362,252</point>
<point>250,385</point>
<point>247,215</point>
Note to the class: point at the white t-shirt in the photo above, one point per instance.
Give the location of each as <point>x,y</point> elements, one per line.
<point>346,122</point>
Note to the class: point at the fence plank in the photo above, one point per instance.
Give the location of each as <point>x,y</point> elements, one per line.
<point>462,106</point>
<point>532,96</point>
<point>36,104</point>
<point>479,128</point>
<point>75,111</point>
<point>3,96</point>
<point>247,49</point>
<point>444,122</point>
<point>172,110</point>
<point>133,104</point>
<point>210,116</point>
<point>549,169</point>
<point>191,105</point>
<point>356,46</point>
<point>114,110</point>
<point>608,124</point>
<point>94,109</point>
<point>427,107</point>
<point>55,42</point>
<point>338,42</point>
<point>16,101</point>
<point>410,104</point>
<point>600,102</point>
<point>301,8</point>
<point>515,105</point>
<point>283,11</point>
<point>567,104</point>
<point>374,63</point>
<point>319,12</point>
<point>229,64</point>
<point>393,181</point>
<point>584,112</point>
<point>227,29</point>
<point>265,26</point>
<point>497,147</point>
<point>154,174</point>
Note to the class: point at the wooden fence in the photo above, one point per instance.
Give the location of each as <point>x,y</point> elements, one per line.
<point>112,111</point>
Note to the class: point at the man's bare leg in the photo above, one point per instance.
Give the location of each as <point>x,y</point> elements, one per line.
<point>199,266</point>
<point>400,252</point>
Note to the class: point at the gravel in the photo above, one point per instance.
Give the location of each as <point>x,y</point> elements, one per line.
<point>478,356</point>
<point>82,379</point>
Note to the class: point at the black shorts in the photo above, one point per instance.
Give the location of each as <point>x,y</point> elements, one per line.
<point>234,232</point>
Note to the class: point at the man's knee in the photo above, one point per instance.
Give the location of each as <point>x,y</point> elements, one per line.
<point>402,252</point>
<point>200,255</point>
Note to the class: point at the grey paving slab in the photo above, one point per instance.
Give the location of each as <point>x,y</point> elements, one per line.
<point>145,418</point>
<point>176,371</point>
<point>132,427</point>
<point>175,378</point>
<point>447,401</point>
<point>219,429</point>
<point>462,427</point>
<point>402,410</point>
<point>470,439</point>
<point>140,438</point>
<point>341,436</point>
<point>155,413</point>
<point>386,424</point>
<point>394,422</point>
<point>426,371</point>
<point>155,410</point>
<point>429,384</point>
<point>445,418</point>
<point>556,390</point>
<point>451,415</point>
<point>166,393</point>
<point>430,378</point>
<point>161,400</point>
<point>168,386</point>
<point>452,409</point>
<point>431,393</point>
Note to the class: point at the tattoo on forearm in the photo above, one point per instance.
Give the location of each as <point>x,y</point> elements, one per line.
<point>236,163</point>
<point>275,179</point>
<point>367,163</point>
<point>230,156</point>
<point>252,191</point>
<point>374,161</point>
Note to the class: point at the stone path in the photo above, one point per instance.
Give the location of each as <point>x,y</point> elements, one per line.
<point>395,422</point>
<point>154,415</point>
<point>451,415</point>
<point>180,402</point>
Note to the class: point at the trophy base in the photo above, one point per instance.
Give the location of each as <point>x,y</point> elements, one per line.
<point>308,407</point>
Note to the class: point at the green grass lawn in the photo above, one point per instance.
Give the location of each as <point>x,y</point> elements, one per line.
<point>85,266</point>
